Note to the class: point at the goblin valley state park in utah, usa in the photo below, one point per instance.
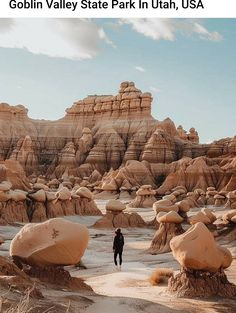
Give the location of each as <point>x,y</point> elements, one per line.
<point>67,185</point>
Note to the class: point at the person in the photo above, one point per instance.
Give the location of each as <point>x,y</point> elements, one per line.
<point>118,244</point>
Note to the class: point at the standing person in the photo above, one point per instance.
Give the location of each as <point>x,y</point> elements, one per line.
<point>118,245</point>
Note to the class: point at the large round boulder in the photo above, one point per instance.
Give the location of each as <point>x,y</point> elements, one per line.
<point>54,242</point>
<point>196,249</point>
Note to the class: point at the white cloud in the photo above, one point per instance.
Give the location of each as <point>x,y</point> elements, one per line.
<point>205,34</point>
<point>139,68</point>
<point>66,38</point>
<point>166,29</point>
<point>153,28</point>
<point>103,36</point>
<point>154,89</point>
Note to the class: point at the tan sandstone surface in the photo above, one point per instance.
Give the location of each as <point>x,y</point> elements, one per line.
<point>54,242</point>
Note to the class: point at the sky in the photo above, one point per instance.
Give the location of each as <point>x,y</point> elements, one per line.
<point>188,65</point>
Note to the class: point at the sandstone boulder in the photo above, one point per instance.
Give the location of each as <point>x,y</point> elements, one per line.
<point>170,217</point>
<point>196,249</point>
<point>219,200</point>
<point>17,195</point>
<point>51,195</point>
<point>38,186</point>
<point>115,206</point>
<point>54,242</point>
<point>199,217</point>
<point>39,196</point>
<point>165,206</point>
<point>63,194</point>
<point>227,217</point>
<point>209,214</point>
<point>84,192</point>
<point>184,206</point>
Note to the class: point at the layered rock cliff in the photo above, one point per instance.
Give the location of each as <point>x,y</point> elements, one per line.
<point>113,143</point>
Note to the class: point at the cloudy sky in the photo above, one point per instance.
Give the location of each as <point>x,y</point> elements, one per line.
<point>188,65</point>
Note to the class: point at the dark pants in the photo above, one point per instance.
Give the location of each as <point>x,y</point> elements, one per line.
<point>116,253</point>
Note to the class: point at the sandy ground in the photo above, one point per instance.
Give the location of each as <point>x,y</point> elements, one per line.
<point>128,290</point>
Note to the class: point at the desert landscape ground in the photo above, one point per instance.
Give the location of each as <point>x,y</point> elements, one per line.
<point>128,290</point>
<point>66,185</point>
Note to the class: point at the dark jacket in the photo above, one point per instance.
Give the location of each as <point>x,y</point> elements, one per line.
<point>118,243</point>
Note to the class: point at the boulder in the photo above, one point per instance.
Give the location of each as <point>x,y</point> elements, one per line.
<point>63,194</point>
<point>17,195</point>
<point>196,249</point>
<point>84,192</point>
<point>227,217</point>
<point>54,242</point>
<point>5,186</point>
<point>39,196</point>
<point>38,186</point>
<point>184,206</point>
<point>209,214</point>
<point>165,206</point>
<point>170,217</point>
<point>202,263</point>
<point>199,217</point>
<point>51,195</point>
<point>115,206</point>
<point>219,200</point>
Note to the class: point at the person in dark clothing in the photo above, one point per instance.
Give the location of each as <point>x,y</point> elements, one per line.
<point>118,245</point>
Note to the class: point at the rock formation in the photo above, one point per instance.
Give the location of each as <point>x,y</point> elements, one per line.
<point>115,217</point>
<point>12,279</point>
<point>130,177</point>
<point>12,172</point>
<point>202,263</point>
<point>165,205</point>
<point>113,145</point>
<point>144,197</point>
<point>54,242</point>
<point>169,227</point>
<point>41,202</point>
<point>160,148</point>
<point>24,153</point>
<point>191,136</point>
<point>231,200</point>
<point>230,216</point>
<point>205,216</point>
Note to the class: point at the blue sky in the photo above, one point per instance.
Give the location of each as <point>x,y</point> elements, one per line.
<point>188,65</point>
